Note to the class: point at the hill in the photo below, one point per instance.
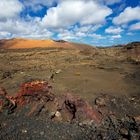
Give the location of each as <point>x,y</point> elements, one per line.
<point>18,43</point>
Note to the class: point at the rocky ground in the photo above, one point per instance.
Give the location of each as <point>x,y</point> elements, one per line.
<point>36,113</point>
<point>70,94</point>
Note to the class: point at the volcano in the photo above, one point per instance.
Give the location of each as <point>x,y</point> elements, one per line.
<point>19,43</point>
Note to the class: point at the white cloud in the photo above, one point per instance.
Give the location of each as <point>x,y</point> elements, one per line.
<point>11,25</point>
<point>36,5</point>
<point>111,2</point>
<point>135,26</point>
<point>130,34</point>
<point>77,35</point>
<point>67,35</point>
<point>128,15</point>
<point>20,28</point>
<point>71,12</point>
<point>96,36</point>
<point>113,30</point>
<point>10,8</point>
<point>62,19</point>
<point>87,28</point>
<point>38,2</point>
<point>4,34</point>
<point>83,28</point>
<point>116,36</point>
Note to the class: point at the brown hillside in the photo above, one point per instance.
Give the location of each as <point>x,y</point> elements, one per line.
<point>26,43</point>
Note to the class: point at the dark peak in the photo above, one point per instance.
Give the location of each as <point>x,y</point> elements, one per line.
<point>129,45</point>
<point>132,45</point>
<point>137,43</point>
<point>61,41</point>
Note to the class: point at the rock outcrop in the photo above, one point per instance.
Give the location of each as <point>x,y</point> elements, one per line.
<point>98,121</point>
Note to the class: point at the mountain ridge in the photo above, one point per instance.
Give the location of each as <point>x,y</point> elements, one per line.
<point>21,43</point>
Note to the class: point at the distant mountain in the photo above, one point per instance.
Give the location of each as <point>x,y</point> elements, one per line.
<point>19,43</point>
<point>130,45</point>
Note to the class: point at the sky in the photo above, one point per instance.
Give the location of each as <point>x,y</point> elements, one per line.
<point>94,22</point>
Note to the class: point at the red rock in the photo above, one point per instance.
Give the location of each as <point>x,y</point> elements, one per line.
<point>3,91</point>
<point>35,87</point>
<point>81,109</point>
<point>6,102</point>
<point>36,109</point>
<point>32,91</point>
<point>38,95</point>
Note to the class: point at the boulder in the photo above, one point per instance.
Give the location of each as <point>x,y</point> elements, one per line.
<point>3,91</point>
<point>81,110</point>
<point>34,91</point>
<point>7,103</point>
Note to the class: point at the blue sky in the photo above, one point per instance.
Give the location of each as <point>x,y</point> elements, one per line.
<point>95,22</point>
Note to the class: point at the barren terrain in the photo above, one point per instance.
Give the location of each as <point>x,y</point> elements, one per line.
<point>85,73</point>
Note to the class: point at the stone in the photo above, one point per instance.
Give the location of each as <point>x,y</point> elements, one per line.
<point>124,132</point>
<point>100,101</point>
<point>57,114</point>
<point>24,131</point>
<point>58,71</point>
<point>36,109</point>
<point>137,119</point>
<point>3,91</point>
<point>81,109</point>
<point>51,115</point>
<point>34,91</point>
<point>6,74</point>
<point>7,104</point>
<point>42,133</point>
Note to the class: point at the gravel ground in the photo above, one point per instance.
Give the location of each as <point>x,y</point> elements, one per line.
<point>20,127</point>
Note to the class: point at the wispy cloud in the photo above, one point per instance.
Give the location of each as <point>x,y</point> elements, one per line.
<point>114,30</point>
<point>129,14</point>
<point>135,26</point>
<point>116,36</point>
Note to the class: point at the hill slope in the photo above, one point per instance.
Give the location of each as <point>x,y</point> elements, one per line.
<point>26,43</point>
